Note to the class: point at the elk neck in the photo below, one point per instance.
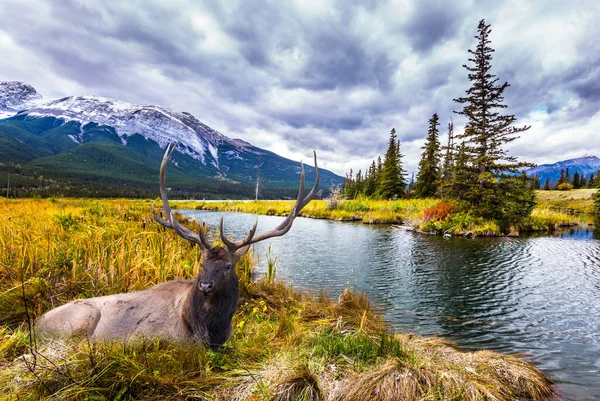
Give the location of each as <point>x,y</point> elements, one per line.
<point>208,318</point>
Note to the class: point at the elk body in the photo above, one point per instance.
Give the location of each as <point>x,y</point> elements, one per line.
<point>200,309</point>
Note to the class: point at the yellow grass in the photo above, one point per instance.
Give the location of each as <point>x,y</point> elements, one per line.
<point>286,345</point>
<point>575,200</point>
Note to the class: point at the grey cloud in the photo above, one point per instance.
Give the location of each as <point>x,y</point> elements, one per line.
<point>432,22</point>
<point>105,47</point>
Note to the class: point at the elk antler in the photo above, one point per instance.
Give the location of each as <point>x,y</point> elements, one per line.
<point>285,225</point>
<point>172,222</point>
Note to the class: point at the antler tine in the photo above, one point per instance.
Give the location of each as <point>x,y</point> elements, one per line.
<point>163,190</point>
<point>172,222</point>
<point>233,246</point>
<point>286,224</point>
<point>189,235</point>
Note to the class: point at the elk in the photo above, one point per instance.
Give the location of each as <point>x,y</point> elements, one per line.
<point>199,310</point>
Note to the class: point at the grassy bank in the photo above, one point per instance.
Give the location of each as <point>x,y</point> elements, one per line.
<point>554,210</point>
<point>286,345</point>
<point>573,201</point>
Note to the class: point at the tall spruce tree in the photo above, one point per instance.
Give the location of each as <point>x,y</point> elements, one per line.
<point>561,177</point>
<point>392,182</point>
<point>444,189</point>
<point>462,179</point>
<point>576,180</point>
<point>428,179</point>
<point>499,192</point>
<point>547,184</point>
<point>371,181</point>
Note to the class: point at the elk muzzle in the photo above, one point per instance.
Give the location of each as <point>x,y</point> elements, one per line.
<point>206,287</point>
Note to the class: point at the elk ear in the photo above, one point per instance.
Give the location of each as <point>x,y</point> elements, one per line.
<point>241,252</point>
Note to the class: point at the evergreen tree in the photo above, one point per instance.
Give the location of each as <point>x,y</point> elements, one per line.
<point>584,182</point>
<point>567,176</point>
<point>547,184</point>
<point>391,184</point>
<point>591,181</point>
<point>448,164</point>
<point>576,180</point>
<point>536,182</point>
<point>449,149</point>
<point>461,180</point>
<point>428,179</point>
<point>561,178</point>
<point>498,192</point>
<point>371,180</point>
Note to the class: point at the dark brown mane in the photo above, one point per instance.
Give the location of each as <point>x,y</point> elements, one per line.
<point>216,253</point>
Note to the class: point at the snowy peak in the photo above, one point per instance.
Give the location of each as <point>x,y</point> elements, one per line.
<point>153,122</point>
<point>584,165</point>
<point>15,96</point>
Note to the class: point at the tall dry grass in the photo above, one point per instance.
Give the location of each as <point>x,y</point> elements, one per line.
<point>285,345</point>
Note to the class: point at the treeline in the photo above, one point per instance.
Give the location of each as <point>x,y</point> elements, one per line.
<point>14,184</point>
<point>473,167</point>
<point>566,181</point>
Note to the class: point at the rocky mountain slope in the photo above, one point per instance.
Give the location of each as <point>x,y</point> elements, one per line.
<point>584,165</point>
<point>96,142</point>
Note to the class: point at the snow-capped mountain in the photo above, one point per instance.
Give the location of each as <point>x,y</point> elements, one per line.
<point>157,123</point>
<point>88,136</point>
<point>585,165</point>
<point>15,96</point>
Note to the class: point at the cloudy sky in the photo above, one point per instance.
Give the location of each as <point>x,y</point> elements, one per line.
<point>335,76</point>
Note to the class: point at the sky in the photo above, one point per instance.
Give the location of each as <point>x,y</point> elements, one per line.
<point>333,76</point>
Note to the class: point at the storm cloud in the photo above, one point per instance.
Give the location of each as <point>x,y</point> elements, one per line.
<point>334,76</point>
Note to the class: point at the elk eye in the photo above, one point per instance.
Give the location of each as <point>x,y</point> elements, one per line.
<point>228,266</point>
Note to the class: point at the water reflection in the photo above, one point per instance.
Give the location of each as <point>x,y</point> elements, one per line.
<point>539,296</point>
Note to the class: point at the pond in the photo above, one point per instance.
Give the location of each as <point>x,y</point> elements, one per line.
<point>539,296</point>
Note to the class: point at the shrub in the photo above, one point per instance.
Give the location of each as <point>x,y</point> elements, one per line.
<point>564,187</point>
<point>442,210</point>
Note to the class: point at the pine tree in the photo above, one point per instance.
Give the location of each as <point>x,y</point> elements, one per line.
<point>576,180</point>
<point>461,180</point>
<point>448,164</point>
<point>498,189</point>
<point>547,184</point>
<point>399,155</point>
<point>428,179</point>
<point>536,182</point>
<point>391,184</point>
<point>449,149</point>
<point>591,181</point>
<point>584,182</point>
<point>561,177</point>
<point>567,176</point>
<point>371,180</point>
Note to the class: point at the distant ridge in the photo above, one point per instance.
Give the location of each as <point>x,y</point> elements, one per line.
<point>585,165</point>
<point>110,147</point>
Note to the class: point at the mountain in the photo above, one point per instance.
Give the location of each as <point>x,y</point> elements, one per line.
<point>90,145</point>
<point>585,165</point>
<point>15,96</point>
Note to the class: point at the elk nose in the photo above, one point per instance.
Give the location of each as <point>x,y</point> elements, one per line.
<point>206,286</point>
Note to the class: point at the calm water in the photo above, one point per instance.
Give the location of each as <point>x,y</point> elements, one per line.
<point>537,296</point>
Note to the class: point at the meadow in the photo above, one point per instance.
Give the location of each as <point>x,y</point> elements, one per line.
<point>286,344</point>
<point>555,210</point>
